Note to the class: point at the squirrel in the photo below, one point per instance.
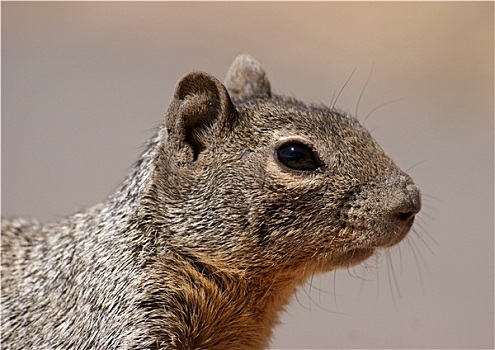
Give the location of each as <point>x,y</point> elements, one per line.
<point>239,197</point>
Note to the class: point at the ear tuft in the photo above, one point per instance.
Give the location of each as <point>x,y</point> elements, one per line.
<point>246,79</point>
<point>199,105</point>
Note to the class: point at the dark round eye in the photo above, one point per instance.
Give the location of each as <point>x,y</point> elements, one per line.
<point>298,156</point>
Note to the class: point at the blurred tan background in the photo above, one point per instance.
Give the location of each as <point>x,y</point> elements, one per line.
<point>84,84</point>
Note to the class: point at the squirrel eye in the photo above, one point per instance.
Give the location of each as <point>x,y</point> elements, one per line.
<point>298,156</point>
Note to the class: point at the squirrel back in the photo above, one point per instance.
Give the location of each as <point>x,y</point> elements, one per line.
<point>239,197</point>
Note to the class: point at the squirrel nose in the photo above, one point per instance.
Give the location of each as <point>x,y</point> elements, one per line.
<point>409,204</point>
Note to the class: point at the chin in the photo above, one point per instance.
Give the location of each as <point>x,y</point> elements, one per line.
<point>348,259</point>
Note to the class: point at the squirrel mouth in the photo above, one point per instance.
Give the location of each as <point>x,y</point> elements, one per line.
<point>352,257</point>
<point>356,253</point>
<point>398,234</point>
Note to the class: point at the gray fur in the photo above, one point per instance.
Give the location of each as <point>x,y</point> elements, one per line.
<point>203,244</point>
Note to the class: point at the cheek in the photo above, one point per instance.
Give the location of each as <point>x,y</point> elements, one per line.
<point>293,186</point>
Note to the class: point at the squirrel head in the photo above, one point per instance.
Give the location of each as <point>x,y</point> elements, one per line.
<point>268,183</point>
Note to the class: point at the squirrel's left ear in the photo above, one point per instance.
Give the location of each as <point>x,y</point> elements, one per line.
<point>201,106</point>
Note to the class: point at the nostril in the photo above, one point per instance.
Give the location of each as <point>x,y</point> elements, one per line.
<point>404,216</point>
<point>410,203</point>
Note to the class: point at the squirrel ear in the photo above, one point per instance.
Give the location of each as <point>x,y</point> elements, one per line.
<point>200,106</point>
<point>246,79</point>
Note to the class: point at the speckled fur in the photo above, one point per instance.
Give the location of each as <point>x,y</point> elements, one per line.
<point>206,240</point>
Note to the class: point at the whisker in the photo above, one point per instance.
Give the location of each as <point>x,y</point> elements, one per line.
<point>390,280</point>
<point>416,164</point>
<point>428,216</point>
<point>377,256</point>
<point>432,197</point>
<point>380,106</point>
<point>415,248</point>
<point>299,302</point>
<point>429,207</point>
<point>400,259</point>
<point>422,240</point>
<point>311,286</point>
<point>394,275</point>
<point>331,101</point>
<point>368,268</point>
<point>362,91</point>
<point>361,289</point>
<point>430,237</point>
<point>422,220</point>
<point>311,300</point>
<point>321,290</point>
<point>343,87</point>
<point>354,273</point>
<point>418,265</point>
<point>334,287</point>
